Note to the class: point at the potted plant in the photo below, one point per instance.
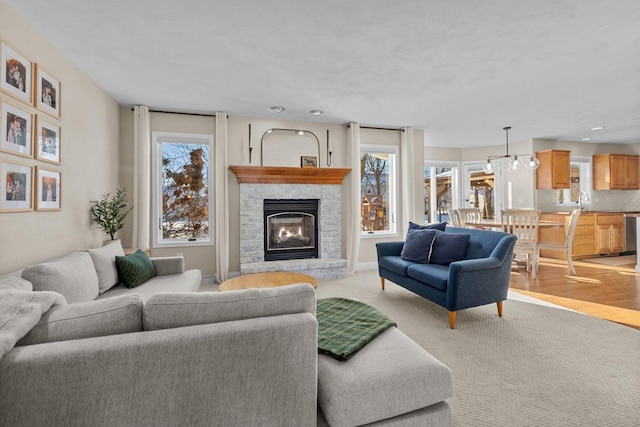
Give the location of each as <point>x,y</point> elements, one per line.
<point>110,211</point>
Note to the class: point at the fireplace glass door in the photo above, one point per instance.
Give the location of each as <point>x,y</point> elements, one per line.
<point>291,229</point>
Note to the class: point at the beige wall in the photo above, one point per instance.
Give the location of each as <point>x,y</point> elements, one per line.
<point>89,156</point>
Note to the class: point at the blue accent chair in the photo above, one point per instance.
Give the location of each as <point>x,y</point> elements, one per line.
<point>481,278</point>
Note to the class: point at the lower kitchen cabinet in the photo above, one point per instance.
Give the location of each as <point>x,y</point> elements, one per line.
<point>596,234</point>
<point>610,233</point>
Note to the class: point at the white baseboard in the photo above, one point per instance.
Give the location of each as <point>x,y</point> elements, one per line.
<point>363,266</point>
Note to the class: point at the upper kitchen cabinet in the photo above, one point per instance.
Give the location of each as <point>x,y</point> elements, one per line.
<point>554,170</point>
<point>615,172</point>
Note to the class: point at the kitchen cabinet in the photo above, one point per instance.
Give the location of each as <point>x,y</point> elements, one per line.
<point>597,233</point>
<point>610,233</point>
<point>554,170</point>
<point>616,172</point>
<point>584,242</point>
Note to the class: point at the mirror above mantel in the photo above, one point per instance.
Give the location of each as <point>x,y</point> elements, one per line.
<point>289,147</point>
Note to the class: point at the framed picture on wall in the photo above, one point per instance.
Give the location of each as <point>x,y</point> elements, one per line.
<point>47,92</point>
<point>16,193</point>
<point>16,70</point>
<point>47,141</point>
<point>17,126</point>
<point>47,190</point>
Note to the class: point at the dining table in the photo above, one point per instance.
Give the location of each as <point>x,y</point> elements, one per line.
<point>497,224</point>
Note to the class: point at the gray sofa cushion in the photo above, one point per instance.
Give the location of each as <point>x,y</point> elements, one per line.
<point>104,261</point>
<point>73,275</point>
<point>189,281</point>
<point>171,310</point>
<point>390,376</point>
<point>14,282</point>
<point>109,316</point>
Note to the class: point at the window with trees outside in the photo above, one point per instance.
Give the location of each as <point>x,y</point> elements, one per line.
<point>378,189</point>
<point>580,177</point>
<point>182,200</point>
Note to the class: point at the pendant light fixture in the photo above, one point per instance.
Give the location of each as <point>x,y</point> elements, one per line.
<point>514,163</point>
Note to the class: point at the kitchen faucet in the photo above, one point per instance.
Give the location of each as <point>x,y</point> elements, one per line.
<point>583,194</point>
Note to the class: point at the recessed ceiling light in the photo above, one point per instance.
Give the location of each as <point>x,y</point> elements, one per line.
<point>277,109</point>
<point>597,128</point>
<point>315,112</point>
<point>585,139</point>
<point>300,132</point>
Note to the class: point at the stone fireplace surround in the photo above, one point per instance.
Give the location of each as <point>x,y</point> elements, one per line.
<point>258,183</point>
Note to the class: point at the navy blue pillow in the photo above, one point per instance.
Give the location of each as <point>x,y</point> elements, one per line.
<point>440,226</point>
<point>417,246</point>
<point>448,247</point>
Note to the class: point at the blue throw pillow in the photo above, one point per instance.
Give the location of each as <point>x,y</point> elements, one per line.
<point>448,247</point>
<point>440,226</point>
<point>417,246</point>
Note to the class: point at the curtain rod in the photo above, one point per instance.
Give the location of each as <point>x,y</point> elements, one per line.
<point>379,128</point>
<point>179,112</point>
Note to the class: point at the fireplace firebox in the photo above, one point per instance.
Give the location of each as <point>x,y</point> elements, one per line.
<point>291,229</point>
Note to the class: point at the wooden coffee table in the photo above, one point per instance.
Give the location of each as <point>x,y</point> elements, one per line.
<point>266,280</point>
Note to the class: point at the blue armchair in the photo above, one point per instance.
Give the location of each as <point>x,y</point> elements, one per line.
<point>481,278</point>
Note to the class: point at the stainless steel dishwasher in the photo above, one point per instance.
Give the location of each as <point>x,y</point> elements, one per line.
<point>630,234</point>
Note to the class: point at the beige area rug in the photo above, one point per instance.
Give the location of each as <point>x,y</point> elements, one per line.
<point>613,260</point>
<point>537,366</point>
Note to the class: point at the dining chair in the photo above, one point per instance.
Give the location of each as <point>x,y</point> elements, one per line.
<point>469,215</point>
<point>454,217</point>
<point>567,246</point>
<point>523,223</point>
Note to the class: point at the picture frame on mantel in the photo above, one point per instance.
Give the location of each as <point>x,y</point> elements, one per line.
<point>17,129</point>
<point>48,90</point>
<point>16,191</point>
<point>16,72</point>
<point>308,161</point>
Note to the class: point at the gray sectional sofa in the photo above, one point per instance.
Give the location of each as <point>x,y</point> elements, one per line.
<point>170,356</point>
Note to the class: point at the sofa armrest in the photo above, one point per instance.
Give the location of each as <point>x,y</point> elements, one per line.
<point>168,265</point>
<point>180,376</point>
<point>389,248</point>
<point>479,281</point>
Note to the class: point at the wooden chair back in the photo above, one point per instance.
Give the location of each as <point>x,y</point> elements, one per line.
<point>523,223</point>
<point>454,218</point>
<point>469,215</point>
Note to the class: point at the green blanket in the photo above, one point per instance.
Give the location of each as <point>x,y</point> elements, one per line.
<point>346,325</point>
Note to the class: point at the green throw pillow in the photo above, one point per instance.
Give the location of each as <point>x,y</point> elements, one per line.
<point>135,269</point>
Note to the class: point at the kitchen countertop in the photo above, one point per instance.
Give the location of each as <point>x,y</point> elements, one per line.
<point>594,212</point>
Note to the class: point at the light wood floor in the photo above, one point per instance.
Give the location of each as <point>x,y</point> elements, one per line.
<point>608,292</point>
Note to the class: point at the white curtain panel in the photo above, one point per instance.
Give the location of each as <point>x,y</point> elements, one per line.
<point>353,210</point>
<point>141,176</point>
<point>407,156</point>
<point>221,212</point>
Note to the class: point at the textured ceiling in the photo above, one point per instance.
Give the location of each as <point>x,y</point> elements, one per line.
<point>459,69</point>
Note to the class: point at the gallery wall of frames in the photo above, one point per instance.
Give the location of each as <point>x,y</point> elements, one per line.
<point>30,161</point>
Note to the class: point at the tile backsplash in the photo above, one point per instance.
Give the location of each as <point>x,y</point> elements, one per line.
<point>601,200</point>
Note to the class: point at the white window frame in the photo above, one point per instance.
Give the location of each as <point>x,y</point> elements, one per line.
<point>455,183</point>
<point>394,158</point>
<point>157,139</point>
<point>585,182</point>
